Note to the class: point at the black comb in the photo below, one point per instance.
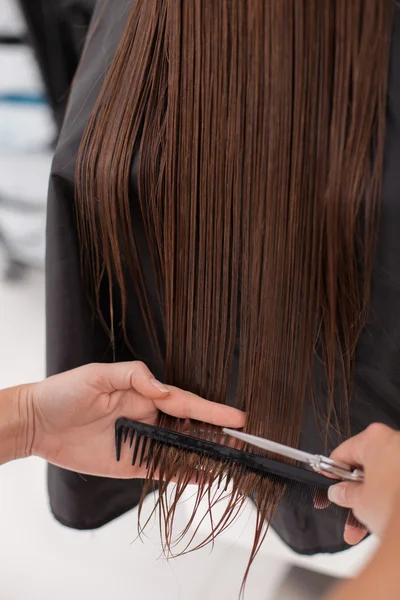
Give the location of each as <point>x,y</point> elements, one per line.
<point>149,434</point>
<point>305,491</point>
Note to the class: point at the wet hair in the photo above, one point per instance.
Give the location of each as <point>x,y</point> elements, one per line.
<point>259,128</point>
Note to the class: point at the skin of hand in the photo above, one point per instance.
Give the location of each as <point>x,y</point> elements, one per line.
<point>377,451</point>
<point>376,504</point>
<point>380,578</point>
<point>69,419</point>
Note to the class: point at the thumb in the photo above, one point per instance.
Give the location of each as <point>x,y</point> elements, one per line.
<point>346,494</point>
<point>135,375</point>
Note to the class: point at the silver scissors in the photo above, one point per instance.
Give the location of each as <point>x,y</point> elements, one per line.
<point>317,462</point>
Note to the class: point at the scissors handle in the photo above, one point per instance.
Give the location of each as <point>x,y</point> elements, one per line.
<point>339,469</point>
<point>319,463</point>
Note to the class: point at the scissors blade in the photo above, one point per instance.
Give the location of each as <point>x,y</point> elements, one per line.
<point>280,449</point>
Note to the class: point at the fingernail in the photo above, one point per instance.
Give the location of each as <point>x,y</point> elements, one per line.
<point>160,386</point>
<point>335,494</point>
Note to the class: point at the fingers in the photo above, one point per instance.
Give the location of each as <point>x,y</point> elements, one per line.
<point>109,378</point>
<point>355,450</point>
<point>346,494</point>
<point>354,531</point>
<point>354,535</point>
<point>351,451</point>
<point>189,406</point>
<point>171,400</point>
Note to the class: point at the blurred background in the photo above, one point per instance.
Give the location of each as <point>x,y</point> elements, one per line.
<point>40,43</point>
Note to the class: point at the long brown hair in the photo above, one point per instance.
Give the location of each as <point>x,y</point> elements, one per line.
<point>259,130</point>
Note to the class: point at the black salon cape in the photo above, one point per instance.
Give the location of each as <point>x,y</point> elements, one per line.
<point>75,337</point>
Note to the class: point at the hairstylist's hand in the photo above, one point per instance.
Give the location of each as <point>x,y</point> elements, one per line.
<point>377,450</point>
<point>74,414</point>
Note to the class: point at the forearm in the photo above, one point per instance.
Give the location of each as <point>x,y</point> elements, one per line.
<point>381,575</point>
<point>16,423</point>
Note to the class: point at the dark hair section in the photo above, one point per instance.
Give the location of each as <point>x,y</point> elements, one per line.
<point>259,130</point>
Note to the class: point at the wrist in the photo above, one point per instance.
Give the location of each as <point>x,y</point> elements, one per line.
<point>17,423</point>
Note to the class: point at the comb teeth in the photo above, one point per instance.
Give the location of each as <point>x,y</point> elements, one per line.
<point>136,447</point>
<point>126,433</point>
<point>118,440</point>
<point>220,478</point>
<point>150,453</point>
<point>302,489</point>
<point>132,434</point>
<point>149,434</point>
<point>227,480</point>
<point>143,450</point>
